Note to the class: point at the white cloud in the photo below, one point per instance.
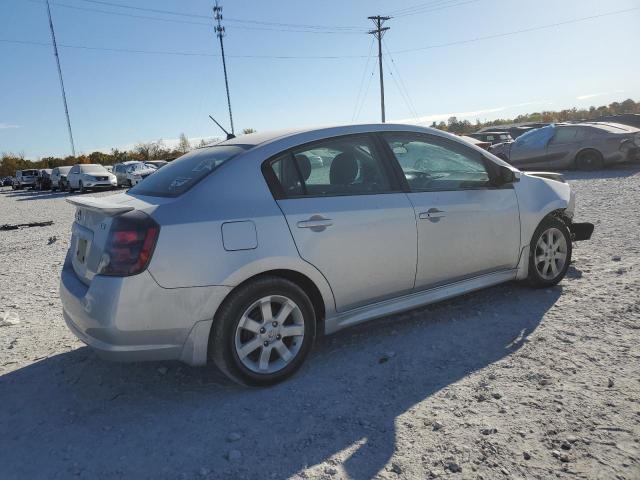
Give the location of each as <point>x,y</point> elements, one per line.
<point>593,95</point>
<point>7,125</point>
<point>462,115</point>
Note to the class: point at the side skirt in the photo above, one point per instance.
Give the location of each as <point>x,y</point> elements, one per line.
<point>416,299</point>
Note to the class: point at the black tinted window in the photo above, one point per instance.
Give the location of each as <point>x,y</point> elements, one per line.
<point>341,166</point>
<point>183,173</point>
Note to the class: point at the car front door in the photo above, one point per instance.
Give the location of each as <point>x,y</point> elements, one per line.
<point>72,178</point>
<point>348,217</point>
<point>466,226</point>
<point>562,147</point>
<point>530,148</point>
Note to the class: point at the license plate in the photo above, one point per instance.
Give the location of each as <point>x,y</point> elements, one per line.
<point>81,250</point>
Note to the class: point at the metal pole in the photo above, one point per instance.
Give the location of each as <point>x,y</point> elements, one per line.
<point>64,96</point>
<point>217,15</point>
<point>379,32</point>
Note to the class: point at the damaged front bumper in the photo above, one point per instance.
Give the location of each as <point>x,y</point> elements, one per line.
<point>581,231</point>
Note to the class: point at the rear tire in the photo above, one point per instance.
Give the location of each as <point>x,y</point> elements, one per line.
<point>589,160</point>
<point>255,324</point>
<point>549,253</point>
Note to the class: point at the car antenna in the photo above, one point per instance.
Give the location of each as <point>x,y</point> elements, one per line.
<point>229,135</point>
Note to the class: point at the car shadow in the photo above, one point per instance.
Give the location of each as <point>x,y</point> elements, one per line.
<point>74,414</point>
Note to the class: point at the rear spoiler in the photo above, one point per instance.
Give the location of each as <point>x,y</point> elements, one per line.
<point>99,205</point>
<point>558,177</point>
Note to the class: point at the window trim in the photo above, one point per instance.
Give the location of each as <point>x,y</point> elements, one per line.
<point>278,191</point>
<point>492,168</point>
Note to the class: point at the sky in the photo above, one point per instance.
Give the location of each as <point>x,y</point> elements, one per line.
<point>438,63</point>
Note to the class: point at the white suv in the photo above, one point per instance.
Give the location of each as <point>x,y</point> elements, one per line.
<point>24,179</point>
<point>90,176</point>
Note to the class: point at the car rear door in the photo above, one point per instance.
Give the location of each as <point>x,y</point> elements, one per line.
<point>348,217</point>
<point>466,227</point>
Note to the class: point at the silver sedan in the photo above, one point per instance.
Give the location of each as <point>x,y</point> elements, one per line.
<point>244,251</point>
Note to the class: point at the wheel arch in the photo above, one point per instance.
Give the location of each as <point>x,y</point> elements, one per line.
<point>587,149</point>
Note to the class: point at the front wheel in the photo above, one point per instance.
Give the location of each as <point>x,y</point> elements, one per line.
<point>549,253</point>
<point>589,160</point>
<point>263,332</point>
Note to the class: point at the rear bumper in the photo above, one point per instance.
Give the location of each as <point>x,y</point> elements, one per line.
<point>581,231</point>
<point>134,319</point>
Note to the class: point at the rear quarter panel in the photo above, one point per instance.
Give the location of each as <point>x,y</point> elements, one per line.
<point>190,251</point>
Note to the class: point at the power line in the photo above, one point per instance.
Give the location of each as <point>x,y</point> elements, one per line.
<point>433,7</point>
<point>419,6</point>
<point>178,53</point>
<point>205,24</point>
<point>364,97</point>
<point>321,57</point>
<point>404,92</point>
<point>193,15</point>
<point>364,74</point>
<point>515,32</point>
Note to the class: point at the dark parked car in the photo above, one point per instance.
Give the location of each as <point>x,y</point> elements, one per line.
<point>7,181</point>
<point>492,136</point>
<point>585,146</point>
<point>43,180</point>
<point>631,119</point>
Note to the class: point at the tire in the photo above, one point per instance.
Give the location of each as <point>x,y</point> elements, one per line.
<point>547,267</point>
<point>81,187</point>
<point>589,160</point>
<point>244,307</point>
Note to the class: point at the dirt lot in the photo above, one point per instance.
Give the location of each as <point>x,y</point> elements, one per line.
<point>505,383</point>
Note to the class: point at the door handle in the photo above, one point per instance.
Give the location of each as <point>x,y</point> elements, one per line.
<point>432,214</point>
<point>316,223</point>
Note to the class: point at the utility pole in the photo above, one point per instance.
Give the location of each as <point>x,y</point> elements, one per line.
<point>64,96</point>
<point>219,29</point>
<point>379,33</point>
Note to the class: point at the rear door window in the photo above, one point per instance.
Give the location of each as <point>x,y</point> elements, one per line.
<point>183,173</point>
<point>347,165</point>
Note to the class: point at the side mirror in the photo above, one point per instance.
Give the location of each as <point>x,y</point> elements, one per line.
<point>506,176</point>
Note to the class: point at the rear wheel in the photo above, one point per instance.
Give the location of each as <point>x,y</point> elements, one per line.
<point>263,332</point>
<point>549,253</point>
<point>81,187</point>
<point>589,160</point>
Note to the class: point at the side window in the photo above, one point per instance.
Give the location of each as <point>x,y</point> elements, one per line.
<point>432,163</point>
<point>340,166</point>
<point>564,135</point>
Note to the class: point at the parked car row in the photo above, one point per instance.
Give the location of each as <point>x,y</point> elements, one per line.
<point>583,146</point>
<point>82,177</point>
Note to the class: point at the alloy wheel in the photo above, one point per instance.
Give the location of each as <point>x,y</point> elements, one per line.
<point>269,334</point>
<point>551,253</point>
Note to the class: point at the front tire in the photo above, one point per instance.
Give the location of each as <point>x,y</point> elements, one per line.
<point>263,332</point>
<point>549,253</point>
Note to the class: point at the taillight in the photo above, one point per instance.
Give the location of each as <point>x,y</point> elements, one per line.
<point>130,244</point>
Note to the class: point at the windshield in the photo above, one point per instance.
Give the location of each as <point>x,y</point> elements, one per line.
<point>136,166</point>
<point>180,175</point>
<point>64,170</point>
<point>537,136</point>
<point>92,169</point>
<point>29,173</point>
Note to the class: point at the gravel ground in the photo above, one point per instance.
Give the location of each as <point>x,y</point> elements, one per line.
<point>508,382</point>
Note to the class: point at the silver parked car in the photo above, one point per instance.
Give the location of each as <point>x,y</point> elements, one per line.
<point>242,253</point>
<point>585,146</point>
<point>59,177</point>
<point>132,172</point>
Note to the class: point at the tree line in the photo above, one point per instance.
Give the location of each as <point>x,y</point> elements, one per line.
<point>10,162</point>
<point>463,127</point>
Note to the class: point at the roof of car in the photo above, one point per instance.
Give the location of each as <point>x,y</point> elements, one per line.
<point>611,127</point>
<point>255,139</point>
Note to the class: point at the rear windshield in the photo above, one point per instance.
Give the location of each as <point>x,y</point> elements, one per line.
<point>183,173</point>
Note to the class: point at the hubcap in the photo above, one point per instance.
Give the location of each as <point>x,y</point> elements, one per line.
<point>269,334</point>
<point>551,253</point>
